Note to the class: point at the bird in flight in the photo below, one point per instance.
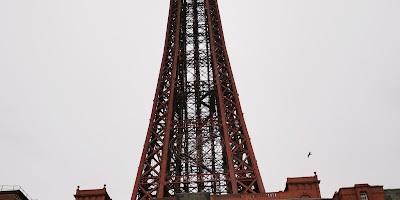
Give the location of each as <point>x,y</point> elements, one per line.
<point>309,154</point>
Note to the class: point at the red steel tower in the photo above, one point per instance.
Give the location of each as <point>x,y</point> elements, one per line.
<point>197,140</point>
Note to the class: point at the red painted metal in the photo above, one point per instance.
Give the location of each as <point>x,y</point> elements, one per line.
<point>197,140</point>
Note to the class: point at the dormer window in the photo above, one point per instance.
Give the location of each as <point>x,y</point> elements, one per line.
<point>363,196</point>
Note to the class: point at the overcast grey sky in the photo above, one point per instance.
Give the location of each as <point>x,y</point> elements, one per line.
<point>77,80</point>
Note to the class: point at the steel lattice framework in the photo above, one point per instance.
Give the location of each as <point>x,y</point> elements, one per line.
<point>197,140</point>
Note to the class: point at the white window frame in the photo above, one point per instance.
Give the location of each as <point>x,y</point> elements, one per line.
<point>363,195</point>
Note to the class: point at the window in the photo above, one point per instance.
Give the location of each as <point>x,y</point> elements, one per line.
<point>363,196</point>
<point>305,196</point>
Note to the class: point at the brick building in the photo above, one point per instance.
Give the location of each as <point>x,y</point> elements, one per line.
<point>13,192</point>
<point>360,192</point>
<point>12,195</point>
<point>296,188</point>
<point>98,194</point>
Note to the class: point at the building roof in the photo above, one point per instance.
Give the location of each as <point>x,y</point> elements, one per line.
<point>92,193</point>
<point>17,193</point>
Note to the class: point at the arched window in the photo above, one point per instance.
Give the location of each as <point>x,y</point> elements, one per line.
<point>363,196</point>
<point>305,196</point>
